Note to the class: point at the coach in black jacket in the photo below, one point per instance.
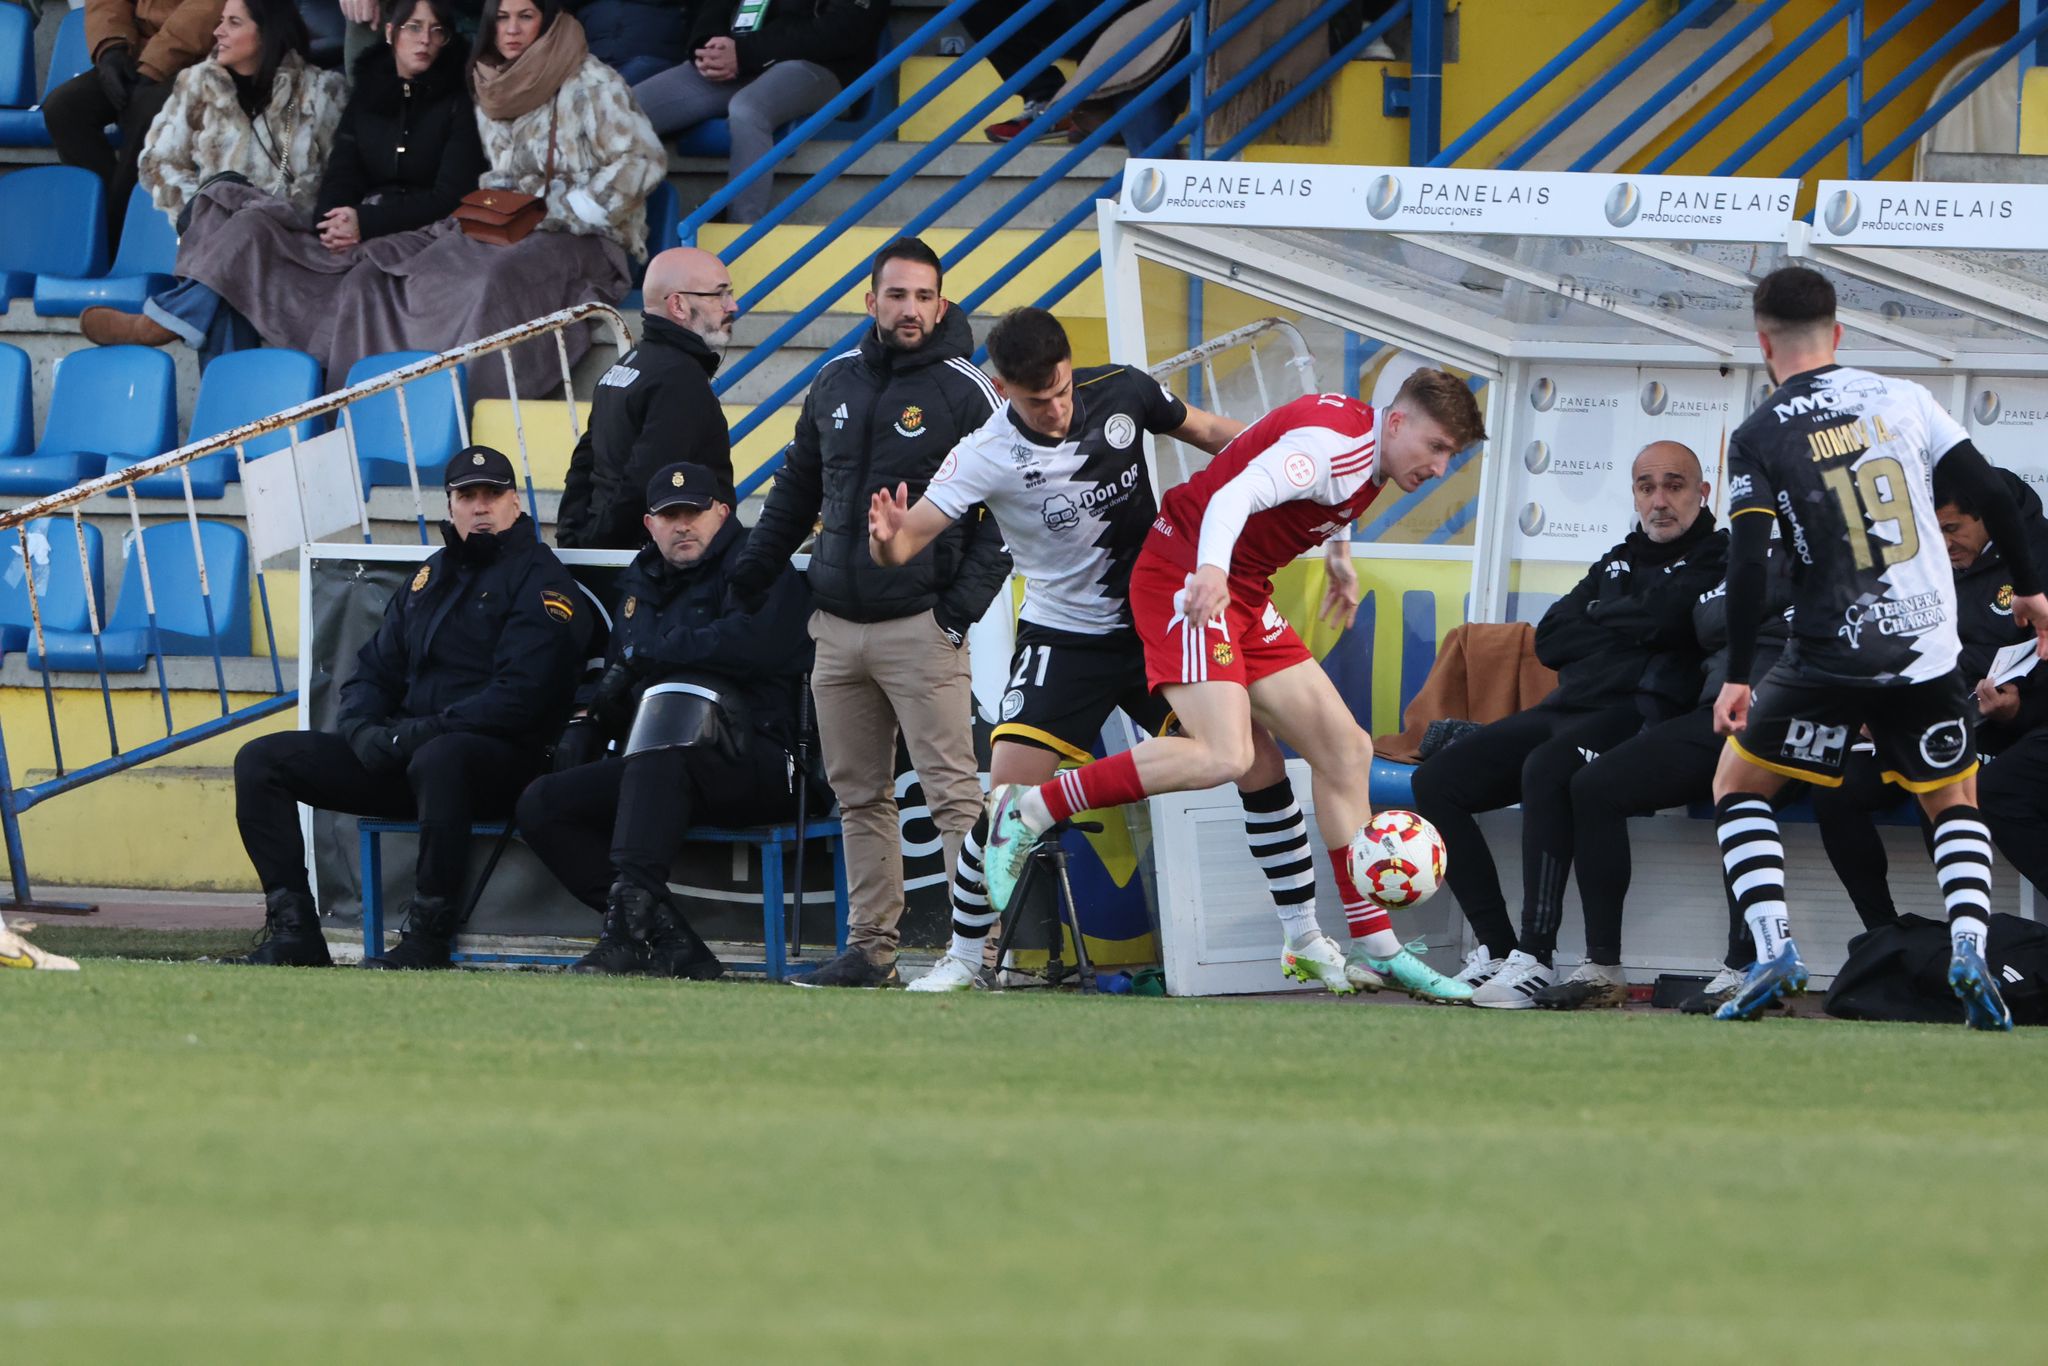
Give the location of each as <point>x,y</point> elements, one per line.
<point>891,642</point>
<point>611,829</point>
<point>1623,645</point>
<point>655,406</point>
<point>448,715</point>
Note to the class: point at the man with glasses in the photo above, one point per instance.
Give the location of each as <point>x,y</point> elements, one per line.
<point>655,406</point>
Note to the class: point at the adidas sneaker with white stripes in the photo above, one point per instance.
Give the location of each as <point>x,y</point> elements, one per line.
<point>1514,987</point>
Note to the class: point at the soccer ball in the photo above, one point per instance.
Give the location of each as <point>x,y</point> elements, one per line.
<point>1397,859</point>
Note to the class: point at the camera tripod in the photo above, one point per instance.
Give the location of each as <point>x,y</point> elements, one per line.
<point>1048,858</point>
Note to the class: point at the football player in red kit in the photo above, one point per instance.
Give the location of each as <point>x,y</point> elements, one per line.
<point>1201,600</point>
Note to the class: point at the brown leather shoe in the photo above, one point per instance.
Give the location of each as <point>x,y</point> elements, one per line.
<point>112,327</point>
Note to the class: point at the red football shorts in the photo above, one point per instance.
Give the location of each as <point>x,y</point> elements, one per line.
<point>1252,642</point>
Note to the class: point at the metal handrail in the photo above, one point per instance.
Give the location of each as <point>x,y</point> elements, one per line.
<point>71,502</point>
<point>236,437</point>
<point>1059,109</point>
<point>1109,187</point>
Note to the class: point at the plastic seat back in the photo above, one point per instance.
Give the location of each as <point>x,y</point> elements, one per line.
<point>431,407</point>
<point>17,430</point>
<point>17,58</point>
<point>236,389</point>
<point>59,578</point>
<point>56,222</point>
<point>181,609</point>
<point>113,400</point>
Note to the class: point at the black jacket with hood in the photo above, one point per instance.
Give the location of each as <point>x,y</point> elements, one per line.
<point>654,407</point>
<point>876,417</point>
<point>1984,621</point>
<point>1624,635</point>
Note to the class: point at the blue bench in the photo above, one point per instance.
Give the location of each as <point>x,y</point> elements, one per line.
<point>774,841</point>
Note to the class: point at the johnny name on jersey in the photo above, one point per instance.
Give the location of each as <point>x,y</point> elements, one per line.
<point>1844,460</point>
<point>1074,512</point>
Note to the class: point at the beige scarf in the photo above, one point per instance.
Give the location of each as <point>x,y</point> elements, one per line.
<point>505,90</point>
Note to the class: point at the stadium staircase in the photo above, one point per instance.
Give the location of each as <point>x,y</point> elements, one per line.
<point>1804,87</point>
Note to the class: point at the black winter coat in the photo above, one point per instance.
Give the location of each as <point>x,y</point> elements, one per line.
<point>488,638</point>
<point>619,30</point>
<point>653,407</point>
<point>413,145</point>
<point>903,411</point>
<point>672,620</point>
<point>839,35</point>
<point>1625,633</point>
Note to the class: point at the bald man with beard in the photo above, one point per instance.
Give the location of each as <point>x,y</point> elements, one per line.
<point>1627,657</point>
<point>655,406</point>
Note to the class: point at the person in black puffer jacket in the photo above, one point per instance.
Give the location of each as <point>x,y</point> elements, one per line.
<point>636,38</point>
<point>891,641</point>
<point>407,149</point>
<point>1623,646</point>
<point>611,829</point>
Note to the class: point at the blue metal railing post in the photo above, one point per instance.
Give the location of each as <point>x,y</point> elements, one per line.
<point>1693,71</point>
<point>1748,90</point>
<point>2033,32</point>
<point>1606,84</point>
<point>10,824</point>
<point>1425,81</point>
<point>1856,91</point>
<point>1198,84</point>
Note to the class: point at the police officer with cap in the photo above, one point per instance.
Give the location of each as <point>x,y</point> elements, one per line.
<point>447,716</point>
<point>701,695</point>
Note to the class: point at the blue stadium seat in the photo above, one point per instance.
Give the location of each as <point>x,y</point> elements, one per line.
<point>181,612</point>
<point>17,58</point>
<point>430,408</point>
<point>60,581</point>
<point>237,388</point>
<point>142,267</point>
<point>56,225</point>
<point>713,137</point>
<point>106,401</point>
<point>17,416</point>
<point>25,127</point>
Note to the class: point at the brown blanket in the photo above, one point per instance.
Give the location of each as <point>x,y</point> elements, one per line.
<point>1483,673</point>
<point>427,290</point>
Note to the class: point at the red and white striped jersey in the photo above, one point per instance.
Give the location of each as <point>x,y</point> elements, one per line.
<point>1295,478</point>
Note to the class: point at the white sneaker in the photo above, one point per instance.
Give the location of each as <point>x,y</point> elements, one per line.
<point>16,952</point>
<point>1479,968</point>
<point>1515,986</point>
<point>951,974</point>
<point>1318,960</point>
<point>1725,982</point>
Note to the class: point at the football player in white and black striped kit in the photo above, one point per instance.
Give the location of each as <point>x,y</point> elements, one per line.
<point>1061,467</point>
<point>1843,459</point>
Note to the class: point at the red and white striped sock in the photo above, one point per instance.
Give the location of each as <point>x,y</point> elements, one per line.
<point>1364,917</point>
<point>1106,782</point>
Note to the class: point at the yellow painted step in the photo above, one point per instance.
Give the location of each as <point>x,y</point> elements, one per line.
<point>1361,135</point>
<point>549,443</point>
<point>823,264</point>
<point>956,99</point>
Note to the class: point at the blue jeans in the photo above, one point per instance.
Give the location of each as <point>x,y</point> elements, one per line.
<point>202,318</point>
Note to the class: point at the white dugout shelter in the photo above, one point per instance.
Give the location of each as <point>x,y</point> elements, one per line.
<point>1594,313</point>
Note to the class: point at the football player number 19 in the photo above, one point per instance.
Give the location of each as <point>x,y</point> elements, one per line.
<point>1872,495</point>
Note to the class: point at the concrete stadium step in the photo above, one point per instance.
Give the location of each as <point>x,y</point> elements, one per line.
<point>697,178</point>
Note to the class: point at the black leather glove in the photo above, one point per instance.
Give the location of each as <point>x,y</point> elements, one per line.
<point>408,735</point>
<point>749,584</point>
<point>375,743</point>
<point>119,75</point>
<point>612,703</point>
<point>582,743</point>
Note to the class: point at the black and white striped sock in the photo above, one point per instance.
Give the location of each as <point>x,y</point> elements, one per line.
<point>1962,864</point>
<point>972,915</point>
<point>1753,867</point>
<point>1277,833</point>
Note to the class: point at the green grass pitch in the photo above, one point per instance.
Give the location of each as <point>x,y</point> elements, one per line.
<point>208,1164</point>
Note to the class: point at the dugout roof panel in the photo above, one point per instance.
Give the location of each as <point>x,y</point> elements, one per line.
<point>1490,266</point>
